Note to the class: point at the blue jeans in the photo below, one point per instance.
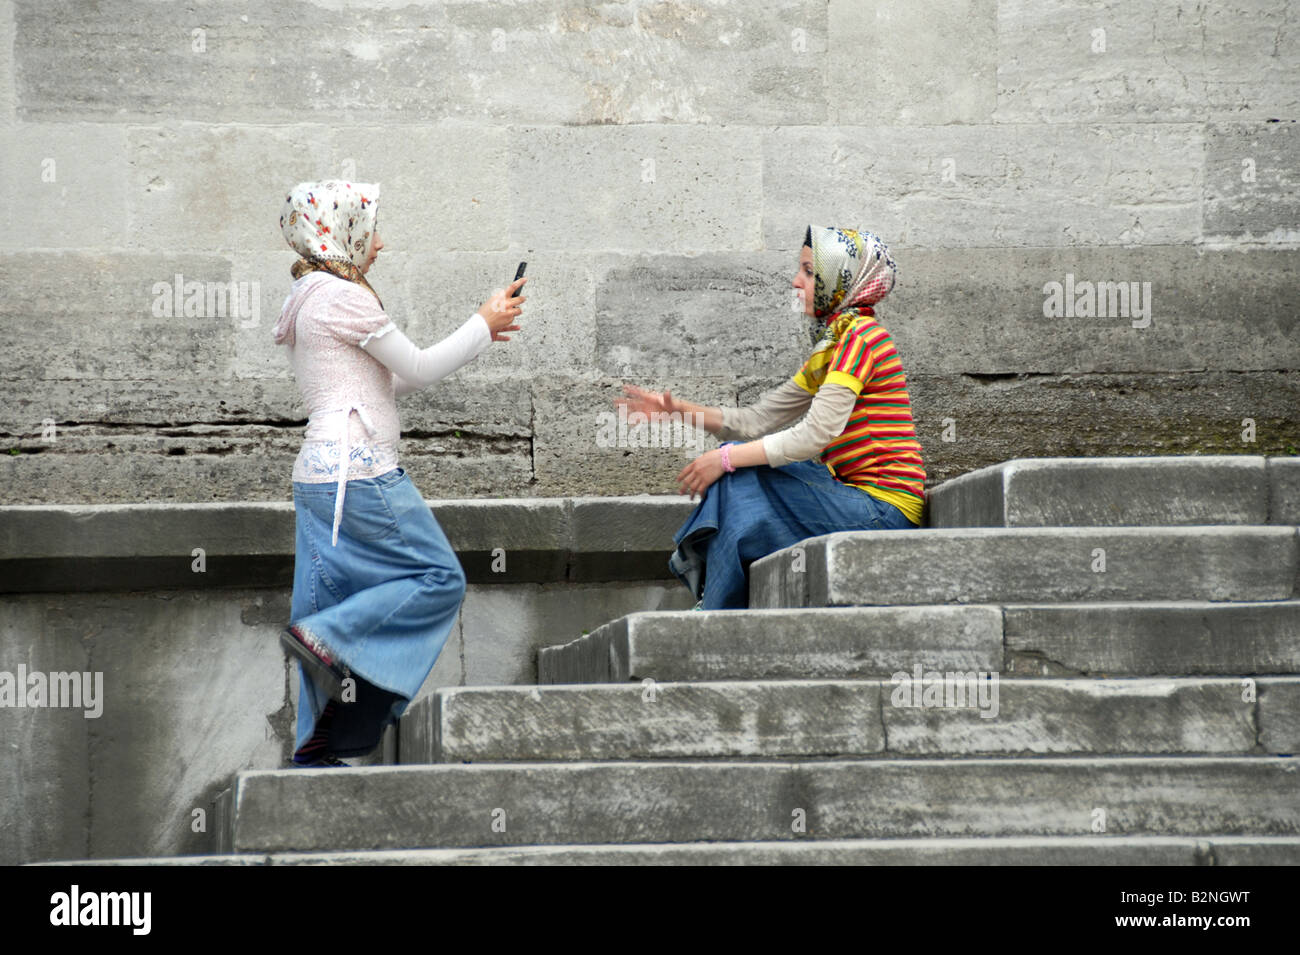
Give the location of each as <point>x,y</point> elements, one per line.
<point>757,511</point>
<point>384,601</point>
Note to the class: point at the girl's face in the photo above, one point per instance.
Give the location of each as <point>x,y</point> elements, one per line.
<point>376,244</point>
<point>804,280</point>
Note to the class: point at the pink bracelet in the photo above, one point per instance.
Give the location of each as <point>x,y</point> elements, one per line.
<point>726,459</point>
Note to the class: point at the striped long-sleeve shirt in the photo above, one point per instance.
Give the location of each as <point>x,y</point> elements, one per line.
<point>878,450</point>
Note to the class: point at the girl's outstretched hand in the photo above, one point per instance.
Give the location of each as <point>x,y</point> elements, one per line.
<point>698,476</point>
<point>647,402</point>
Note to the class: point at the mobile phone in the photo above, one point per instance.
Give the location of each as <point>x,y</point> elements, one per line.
<point>519,272</point>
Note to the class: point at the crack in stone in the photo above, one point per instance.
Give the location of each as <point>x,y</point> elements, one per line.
<point>1047,666</point>
<point>234,428</point>
<point>123,425</point>
<point>884,728</point>
<point>1255,717</point>
<point>1008,375</point>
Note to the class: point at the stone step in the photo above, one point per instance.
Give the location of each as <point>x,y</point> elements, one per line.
<point>1030,564</point>
<point>818,643</point>
<point>1070,492</point>
<point>1185,638</point>
<point>487,804</point>
<point>1010,850</point>
<point>924,713</point>
<point>1118,638</point>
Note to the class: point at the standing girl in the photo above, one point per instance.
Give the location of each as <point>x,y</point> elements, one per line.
<point>377,587</point>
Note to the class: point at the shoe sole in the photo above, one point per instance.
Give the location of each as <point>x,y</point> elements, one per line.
<point>322,675</point>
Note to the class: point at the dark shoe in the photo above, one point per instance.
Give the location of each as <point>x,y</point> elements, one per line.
<point>301,644</point>
<point>329,760</point>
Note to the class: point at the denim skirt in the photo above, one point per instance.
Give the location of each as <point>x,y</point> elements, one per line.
<point>759,510</point>
<point>383,600</point>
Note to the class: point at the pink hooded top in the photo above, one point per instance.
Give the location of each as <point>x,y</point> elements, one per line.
<point>352,428</point>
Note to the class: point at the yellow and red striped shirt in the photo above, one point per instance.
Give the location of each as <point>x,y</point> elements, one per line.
<point>878,450</point>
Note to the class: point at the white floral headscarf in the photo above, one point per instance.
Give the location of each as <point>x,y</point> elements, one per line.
<point>852,270</point>
<point>331,221</point>
<point>331,224</point>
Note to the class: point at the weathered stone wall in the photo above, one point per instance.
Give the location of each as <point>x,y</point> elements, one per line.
<point>656,164</point>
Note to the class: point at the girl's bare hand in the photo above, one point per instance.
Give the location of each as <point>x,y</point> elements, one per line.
<point>502,308</point>
<point>647,402</point>
<point>698,476</point>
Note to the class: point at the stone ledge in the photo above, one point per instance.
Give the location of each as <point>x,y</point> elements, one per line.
<point>91,547</point>
<point>99,547</point>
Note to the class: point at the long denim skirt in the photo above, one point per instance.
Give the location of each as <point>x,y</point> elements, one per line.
<point>384,601</point>
<point>759,510</point>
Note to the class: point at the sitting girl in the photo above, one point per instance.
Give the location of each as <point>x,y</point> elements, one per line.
<point>852,462</point>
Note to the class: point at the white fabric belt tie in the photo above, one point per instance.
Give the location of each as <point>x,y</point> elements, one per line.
<point>341,490</point>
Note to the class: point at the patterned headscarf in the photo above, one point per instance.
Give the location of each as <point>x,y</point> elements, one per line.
<point>852,272</point>
<point>331,224</point>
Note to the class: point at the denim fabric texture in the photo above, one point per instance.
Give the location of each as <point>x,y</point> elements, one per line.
<point>759,510</point>
<point>383,600</point>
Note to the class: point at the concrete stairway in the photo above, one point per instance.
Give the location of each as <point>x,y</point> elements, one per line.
<point>1125,634</point>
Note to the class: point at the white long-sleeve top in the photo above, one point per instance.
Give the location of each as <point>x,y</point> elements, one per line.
<point>828,413</point>
<point>351,363</point>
